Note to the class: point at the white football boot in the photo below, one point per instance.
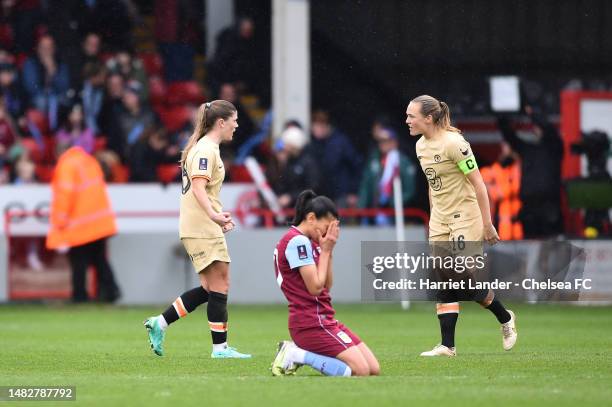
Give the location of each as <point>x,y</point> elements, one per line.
<point>441,350</point>
<point>509,333</point>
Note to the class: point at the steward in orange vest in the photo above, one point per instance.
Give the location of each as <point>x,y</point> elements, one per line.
<point>503,180</point>
<point>81,219</point>
<point>80,208</point>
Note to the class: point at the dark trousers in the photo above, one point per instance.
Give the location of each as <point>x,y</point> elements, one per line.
<point>92,254</point>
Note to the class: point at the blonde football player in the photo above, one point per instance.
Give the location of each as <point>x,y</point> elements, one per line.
<point>459,210</point>
<point>202,227</point>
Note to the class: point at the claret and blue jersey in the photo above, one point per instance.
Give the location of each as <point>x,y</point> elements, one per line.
<point>293,251</point>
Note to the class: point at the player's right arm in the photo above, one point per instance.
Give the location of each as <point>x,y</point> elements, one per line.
<point>199,191</point>
<point>299,255</point>
<point>200,171</point>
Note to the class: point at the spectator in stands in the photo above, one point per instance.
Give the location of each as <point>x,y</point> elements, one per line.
<point>10,91</point>
<point>46,80</point>
<point>75,132</point>
<point>26,17</point>
<point>300,170</point>
<point>247,128</point>
<point>540,175</point>
<point>178,32</point>
<point>131,122</point>
<point>112,104</point>
<point>8,134</point>
<point>181,137</point>
<point>112,19</point>
<point>385,162</point>
<point>24,172</point>
<point>131,69</point>
<point>81,221</point>
<point>6,57</point>
<point>92,93</point>
<point>337,160</point>
<point>88,53</point>
<point>237,59</point>
<point>152,150</point>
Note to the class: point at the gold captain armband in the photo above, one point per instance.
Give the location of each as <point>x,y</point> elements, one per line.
<point>468,165</point>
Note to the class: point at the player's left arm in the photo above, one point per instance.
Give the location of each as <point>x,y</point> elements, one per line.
<point>329,281</point>
<point>490,234</point>
<point>461,153</point>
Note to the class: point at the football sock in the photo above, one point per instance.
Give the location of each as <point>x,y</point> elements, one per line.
<point>217,317</point>
<point>326,365</point>
<point>499,311</point>
<point>448,313</point>
<point>297,355</point>
<point>184,304</point>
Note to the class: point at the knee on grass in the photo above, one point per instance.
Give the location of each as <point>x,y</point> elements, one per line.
<point>359,368</point>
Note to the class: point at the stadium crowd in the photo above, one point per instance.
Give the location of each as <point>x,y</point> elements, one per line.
<point>74,78</point>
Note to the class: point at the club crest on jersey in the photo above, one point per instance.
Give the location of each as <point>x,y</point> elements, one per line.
<point>302,253</point>
<point>203,163</point>
<point>437,158</point>
<point>345,338</point>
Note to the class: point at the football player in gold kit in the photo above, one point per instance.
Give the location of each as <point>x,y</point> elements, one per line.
<point>202,226</point>
<point>459,210</point>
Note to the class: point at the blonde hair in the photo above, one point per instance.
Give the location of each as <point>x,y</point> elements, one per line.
<point>208,114</point>
<point>438,110</point>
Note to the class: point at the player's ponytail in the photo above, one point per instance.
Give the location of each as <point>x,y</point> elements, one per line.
<point>207,116</point>
<point>438,110</point>
<point>308,202</point>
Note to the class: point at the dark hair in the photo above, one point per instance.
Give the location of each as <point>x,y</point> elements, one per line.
<point>308,202</point>
<point>320,116</point>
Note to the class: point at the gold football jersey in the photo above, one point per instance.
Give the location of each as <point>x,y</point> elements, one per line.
<point>203,160</point>
<point>446,161</point>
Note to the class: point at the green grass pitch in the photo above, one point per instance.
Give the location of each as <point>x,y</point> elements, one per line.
<point>563,358</point>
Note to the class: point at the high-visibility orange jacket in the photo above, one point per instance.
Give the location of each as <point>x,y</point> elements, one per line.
<point>80,208</point>
<point>503,185</point>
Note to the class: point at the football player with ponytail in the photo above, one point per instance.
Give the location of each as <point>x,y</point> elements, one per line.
<point>202,226</point>
<point>460,213</point>
<point>303,269</point>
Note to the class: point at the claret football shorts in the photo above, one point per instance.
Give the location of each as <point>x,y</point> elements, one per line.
<point>328,340</point>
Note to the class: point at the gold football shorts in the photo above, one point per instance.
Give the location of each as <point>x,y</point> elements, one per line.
<point>203,252</point>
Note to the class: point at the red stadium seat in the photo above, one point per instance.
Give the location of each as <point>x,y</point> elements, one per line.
<point>6,36</point>
<point>120,174</point>
<point>20,60</point>
<point>185,92</point>
<point>105,56</point>
<point>100,143</point>
<point>39,119</point>
<point>50,152</point>
<point>157,90</point>
<point>239,173</point>
<point>152,63</point>
<point>167,173</point>
<point>44,173</point>
<point>34,150</point>
<point>174,118</point>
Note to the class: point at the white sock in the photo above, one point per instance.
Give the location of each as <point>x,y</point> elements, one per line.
<point>296,355</point>
<point>218,347</point>
<point>348,372</point>
<point>162,322</point>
